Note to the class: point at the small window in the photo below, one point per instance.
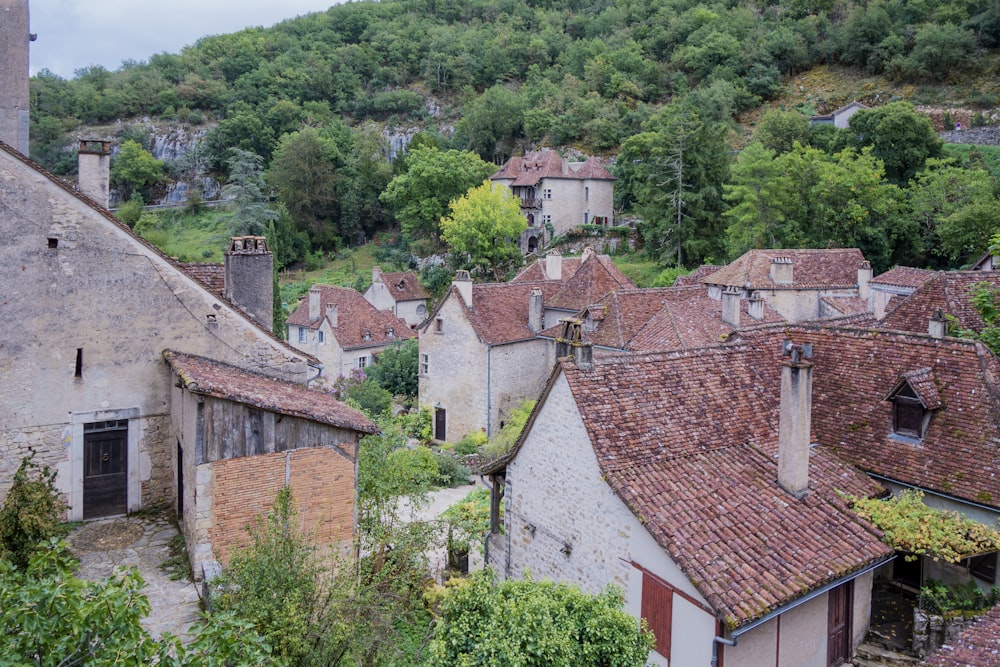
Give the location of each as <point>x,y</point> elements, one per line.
<point>53,244</point>
<point>361,362</point>
<point>586,194</point>
<point>78,373</point>
<point>366,334</point>
<point>984,567</point>
<point>320,337</point>
<point>907,414</point>
<point>390,333</point>
<point>547,193</point>
<point>425,364</point>
<point>421,310</point>
<point>546,218</point>
<point>657,609</point>
<point>438,325</point>
<point>302,335</point>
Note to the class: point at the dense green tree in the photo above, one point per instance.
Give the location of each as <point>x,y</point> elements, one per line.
<point>675,171</point>
<point>900,137</point>
<point>433,178</point>
<point>757,216</point>
<point>396,369</point>
<point>529,623</point>
<point>134,169</point>
<point>940,51</point>
<point>483,226</point>
<point>491,123</point>
<point>245,193</point>
<point>242,128</point>
<point>779,130</point>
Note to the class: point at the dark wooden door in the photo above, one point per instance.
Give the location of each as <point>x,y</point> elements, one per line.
<point>180,481</point>
<point>838,643</point>
<point>105,468</point>
<point>439,424</point>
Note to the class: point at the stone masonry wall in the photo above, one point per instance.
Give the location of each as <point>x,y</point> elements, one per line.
<point>156,472</point>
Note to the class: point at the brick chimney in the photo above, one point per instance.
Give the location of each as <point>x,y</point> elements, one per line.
<point>553,265</point>
<point>731,306</point>
<point>781,270</point>
<point>250,278</point>
<point>937,326</point>
<point>795,419</point>
<point>14,99</point>
<point>314,308</point>
<point>463,283</point>
<point>333,314</point>
<point>94,167</point>
<point>535,310</point>
<point>864,278</point>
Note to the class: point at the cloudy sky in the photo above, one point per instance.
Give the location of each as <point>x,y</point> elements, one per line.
<point>78,33</point>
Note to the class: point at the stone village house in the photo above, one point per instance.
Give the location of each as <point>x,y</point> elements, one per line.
<point>399,293</point>
<point>343,330</point>
<point>138,384</point>
<point>557,195</point>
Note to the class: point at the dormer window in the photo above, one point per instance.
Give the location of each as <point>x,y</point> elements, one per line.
<point>366,334</point>
<point>390,333</point>
<point>914,399</point>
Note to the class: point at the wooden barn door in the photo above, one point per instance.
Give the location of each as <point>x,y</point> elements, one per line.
<point>105,468</point>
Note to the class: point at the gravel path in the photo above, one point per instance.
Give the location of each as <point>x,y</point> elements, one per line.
<point>437,502</point>
<point>101,546</point>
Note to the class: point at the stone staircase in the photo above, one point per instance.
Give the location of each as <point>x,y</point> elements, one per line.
<point>872,655</point>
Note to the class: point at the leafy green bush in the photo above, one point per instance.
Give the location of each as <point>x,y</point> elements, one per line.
<point>396,369</point>
<point>504,440</point>
<point>939,598</point>
<point>451,471</point>
<point>131,211</point>
<point>471,443</point>
<point>413,468</point>
<point>31,514</point>
<point>418,425</point>
<point>468,520</point>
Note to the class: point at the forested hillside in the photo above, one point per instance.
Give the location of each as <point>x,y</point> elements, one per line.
<point>664,81</point>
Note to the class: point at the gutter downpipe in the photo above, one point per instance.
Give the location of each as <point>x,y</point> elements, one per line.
<point>792,605</point>
<point>489,390</point>
<point>319,371</point>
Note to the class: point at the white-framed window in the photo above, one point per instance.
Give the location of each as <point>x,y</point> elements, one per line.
<point>361,362</point>
<point>546,218</point>
<point>320,337</point>
<point>547,193</point>
<point>302,335</point>
<point>425,364</point>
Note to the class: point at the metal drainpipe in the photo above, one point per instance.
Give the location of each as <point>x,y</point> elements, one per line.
<point>319,371</point>
<point>715,647</point>
<point>489,388</point>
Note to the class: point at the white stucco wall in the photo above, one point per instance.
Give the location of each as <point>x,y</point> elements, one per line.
<point>570,201</point>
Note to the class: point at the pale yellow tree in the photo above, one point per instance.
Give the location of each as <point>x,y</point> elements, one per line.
<point>483,227</point>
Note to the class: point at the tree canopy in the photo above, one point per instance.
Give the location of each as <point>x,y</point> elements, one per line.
<point>483,226</point>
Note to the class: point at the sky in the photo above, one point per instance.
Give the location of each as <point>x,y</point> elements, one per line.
<point>73,34</point>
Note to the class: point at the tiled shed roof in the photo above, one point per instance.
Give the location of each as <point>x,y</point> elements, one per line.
<point>404,286</point>
<point>536,270</point>
<point>855,369</point>
<point>976,646</point>
<point>499,312</point>
<point>212,378</point>
<point>688,441</point>
<point>211,275</point>
<point>547,163</point>
<point>845,305</point>
<point>359,324</point>
<point>596,277</point>
<point>811,269</point>
<point>947,290</point>
<point>903,276</point>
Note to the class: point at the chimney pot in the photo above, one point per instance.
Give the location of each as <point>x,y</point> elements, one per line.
<point>583,355</point>
<point>864,279</point>
<point>781,270</point>
<point>376,273</point>
<point>463,283</point>
<point>332,313</point>
<point>536,311</point>
<point>249,276</point>
<point>553,265</point>
<point>314,295</point>
<point>731,306</point>
<point>938,325</point>
<point>755,306</point>
<point>94,167</point>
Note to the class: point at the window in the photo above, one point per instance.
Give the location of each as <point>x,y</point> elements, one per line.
<point>546,219</point>
<point>302,335</point>
<point>914,399</point>
<point>361,362</point>
<point>586,194</point>
<point>984,567</point>
<point>421,310</point>
<point>547,193</point>
<point>657,609</point>
<point>320,337</point>
<point>438,325</point>
<point>390,333</point>
<point>425,364</point>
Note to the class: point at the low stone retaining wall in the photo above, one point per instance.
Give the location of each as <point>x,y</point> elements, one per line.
<point>930,631</point>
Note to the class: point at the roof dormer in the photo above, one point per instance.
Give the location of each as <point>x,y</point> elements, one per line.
<point>914,399</point>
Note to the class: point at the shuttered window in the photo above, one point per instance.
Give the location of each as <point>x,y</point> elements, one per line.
<point>657,609</point>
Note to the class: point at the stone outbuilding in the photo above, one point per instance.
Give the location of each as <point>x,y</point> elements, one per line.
<point>399,293</point>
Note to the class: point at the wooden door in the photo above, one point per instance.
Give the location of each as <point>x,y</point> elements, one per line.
<point>105,468</point>
<point>439,424</point>
<point>838,643</point>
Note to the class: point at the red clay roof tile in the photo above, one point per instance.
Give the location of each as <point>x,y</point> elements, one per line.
<point>359,324</point>
<point>811,269</point>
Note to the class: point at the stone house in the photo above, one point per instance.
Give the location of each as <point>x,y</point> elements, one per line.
<point>399,293</point>
<point>557,195</point>
<point>89,310</point>
<point>800,284</point>
<point>887,289</point>
<point>667,475</point>
<point>481,352</point>
<point>840,118</point>
<point>343,330</point>
<point>939,295</point>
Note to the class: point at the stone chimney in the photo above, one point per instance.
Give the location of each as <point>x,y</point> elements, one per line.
<point>94,166</point>
<point>332,314</point>
<point>314,308</point>
<point>535,310</point>
<point>864,278</point>
<point>463,283</point>
<point>376,273</point>
<point>587,253</point>
<point>583,356</point>
<point>795,419</point>
<point>14,99</point>
<point>781,269</point>
<point>938,325</point>
<point>755,306</point>
<point>553,265</point>
<point>731,306</point>
<point>250,278</point>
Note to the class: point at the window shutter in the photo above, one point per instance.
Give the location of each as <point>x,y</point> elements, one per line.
<point>657,609</point>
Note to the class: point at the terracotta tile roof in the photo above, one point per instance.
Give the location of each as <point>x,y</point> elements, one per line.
<point>596,277</point>
<point>212,378</point>
<point>694,278</point>
<point>947,290</point>
<point>688,441</point>
<point>404,286</point>
<point>359,324</point>
<point>921,381</point>
<point>856,369</point>
<point>536,270</point>
<point>811,269</point>
<point>499,312</point>
<point>211,275</point>
<point>547,163</point>
<point>903,276</point>
<point>976,646</point>
<point>845,305</point>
